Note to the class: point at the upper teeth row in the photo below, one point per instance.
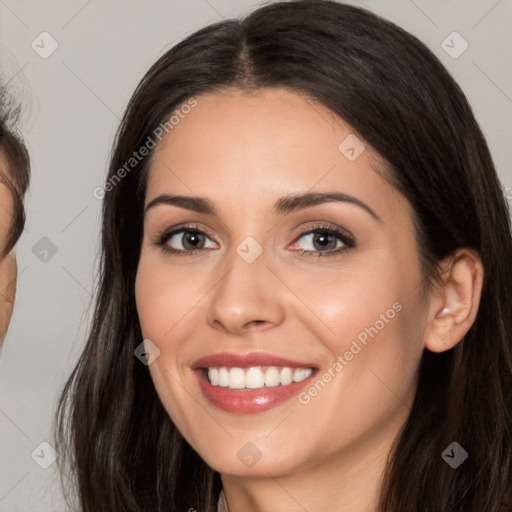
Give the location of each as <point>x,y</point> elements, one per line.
<point>255,377</point>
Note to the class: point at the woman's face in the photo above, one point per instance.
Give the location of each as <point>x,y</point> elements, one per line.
<point>8,268</point>
<point>285,284</point>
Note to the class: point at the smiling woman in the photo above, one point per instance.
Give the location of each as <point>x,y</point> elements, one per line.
<point>318,226</point>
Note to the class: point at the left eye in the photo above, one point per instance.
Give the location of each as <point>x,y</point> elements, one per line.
<point>320,241</point>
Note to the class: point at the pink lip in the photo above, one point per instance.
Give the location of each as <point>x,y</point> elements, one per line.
<point>230,360</point>
<point>247,401</point>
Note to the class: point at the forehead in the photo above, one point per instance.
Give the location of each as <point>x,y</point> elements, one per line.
<point>254,125</point>
<point>246,147</point>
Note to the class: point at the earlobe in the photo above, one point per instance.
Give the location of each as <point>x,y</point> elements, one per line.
<point>455,302</point>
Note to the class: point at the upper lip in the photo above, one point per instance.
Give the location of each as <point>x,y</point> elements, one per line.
<point>237,360</point>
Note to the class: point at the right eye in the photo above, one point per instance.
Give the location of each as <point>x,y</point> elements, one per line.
<point>185,240</point>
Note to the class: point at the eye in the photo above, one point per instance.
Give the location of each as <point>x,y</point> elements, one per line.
<point>185,240</point>
<point>316,241</point>
<point>323,241</point>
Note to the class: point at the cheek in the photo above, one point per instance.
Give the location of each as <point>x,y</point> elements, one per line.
<point>165,295</point>
<point>370,320</point>
<point>371,324</point>
<point>165,299</point>
<point>353,301</point>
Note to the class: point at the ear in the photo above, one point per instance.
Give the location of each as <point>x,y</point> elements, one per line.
<point>454,304</point>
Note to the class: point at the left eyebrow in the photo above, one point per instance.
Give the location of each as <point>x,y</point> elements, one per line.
<point>296,201</point>
<point>282,206</point>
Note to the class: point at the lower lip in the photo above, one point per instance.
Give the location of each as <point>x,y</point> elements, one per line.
<point>248,401</point>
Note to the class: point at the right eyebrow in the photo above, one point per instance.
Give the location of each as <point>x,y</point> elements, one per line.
<point>197,204</point>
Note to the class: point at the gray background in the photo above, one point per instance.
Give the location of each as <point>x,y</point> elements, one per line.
<point>73,101</point>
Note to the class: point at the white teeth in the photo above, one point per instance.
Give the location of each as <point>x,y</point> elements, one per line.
<point>236,378</point>
<point>213,375</point>
<point>223,377</point>
<point>301,374</point>
<point>272,377</point>
<point>286,376</point>
<point>256,377</point>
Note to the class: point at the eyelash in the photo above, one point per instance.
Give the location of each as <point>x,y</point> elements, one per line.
<point>347,240</point>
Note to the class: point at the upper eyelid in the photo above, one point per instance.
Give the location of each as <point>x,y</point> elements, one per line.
<point>180,228</point>
<point>327,227</point>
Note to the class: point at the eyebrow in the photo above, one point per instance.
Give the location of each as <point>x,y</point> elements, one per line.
<point>282,206</point>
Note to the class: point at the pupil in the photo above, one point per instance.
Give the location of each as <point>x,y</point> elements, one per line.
<point>322,239</point>
<point>192,240</point>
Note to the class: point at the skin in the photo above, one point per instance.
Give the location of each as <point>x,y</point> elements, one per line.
<point>8,267</point>
<point>243,152</point>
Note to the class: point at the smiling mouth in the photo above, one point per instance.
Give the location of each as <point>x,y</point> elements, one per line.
<point>255,377</point>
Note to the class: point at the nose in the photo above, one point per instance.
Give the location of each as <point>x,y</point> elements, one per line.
<point>246,298</point>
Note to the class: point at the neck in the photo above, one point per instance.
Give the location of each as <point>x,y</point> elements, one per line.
<point>348,481</point>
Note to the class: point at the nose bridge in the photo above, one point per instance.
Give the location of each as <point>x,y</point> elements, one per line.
<point>245,296</point>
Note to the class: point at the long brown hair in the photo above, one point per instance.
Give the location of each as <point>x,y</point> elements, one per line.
<point>123,450</point>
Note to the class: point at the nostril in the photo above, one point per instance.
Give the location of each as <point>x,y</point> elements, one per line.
<point>254,323</point>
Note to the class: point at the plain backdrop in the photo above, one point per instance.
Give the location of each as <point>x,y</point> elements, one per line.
<point>73,100</point>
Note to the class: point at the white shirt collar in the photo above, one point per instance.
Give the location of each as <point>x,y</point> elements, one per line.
<point>222,505</point>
